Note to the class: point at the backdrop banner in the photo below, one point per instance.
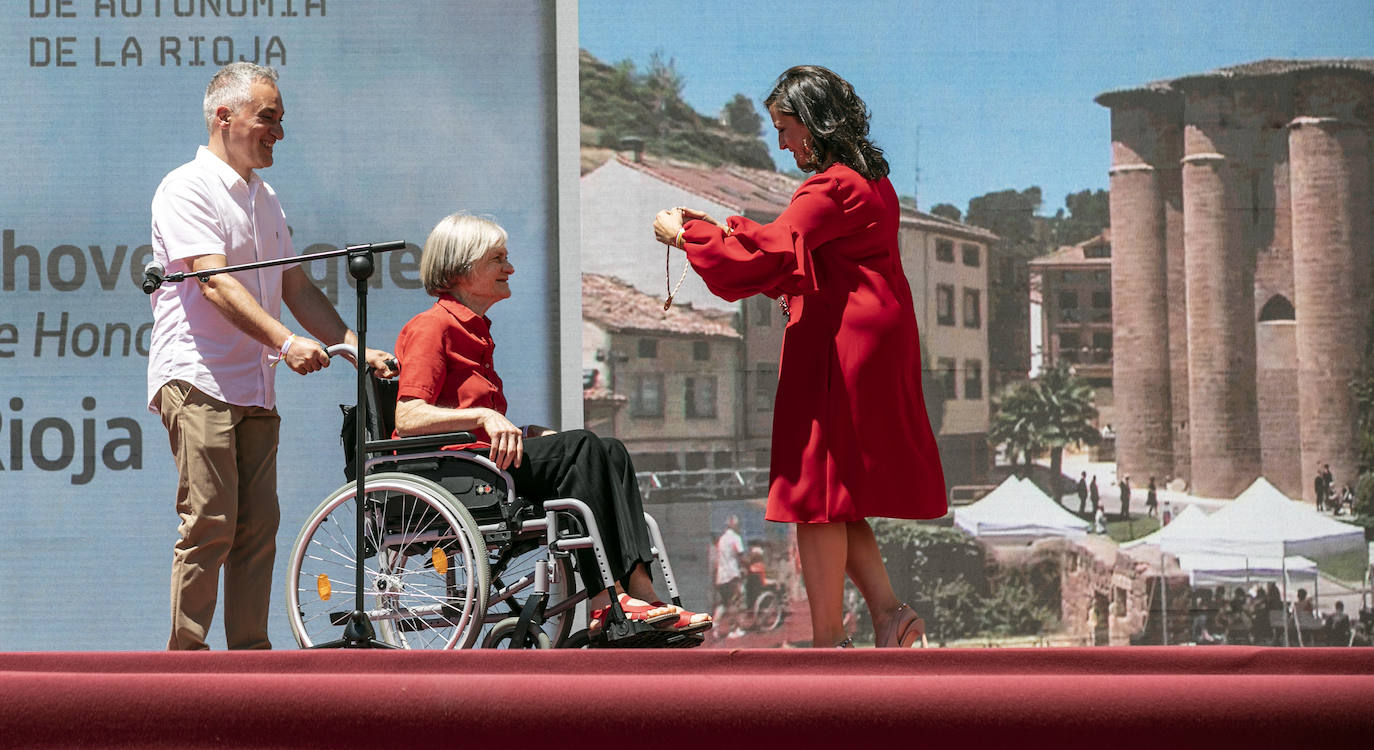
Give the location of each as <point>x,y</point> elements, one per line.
<point>397,114</point>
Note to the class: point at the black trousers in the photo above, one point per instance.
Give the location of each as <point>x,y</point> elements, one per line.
<point>599,472</point>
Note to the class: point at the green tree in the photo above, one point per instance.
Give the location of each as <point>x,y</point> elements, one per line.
<point>947,211</point>
<point>1089,213</point>
<point>619,102</point>
<point>1007,213</point>
<point>742,117</point>
<point>1069,415</point>
<point>1050,413</point>
<point>1017,423</point>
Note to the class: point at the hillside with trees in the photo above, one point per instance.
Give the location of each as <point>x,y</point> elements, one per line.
<point>624,108</point>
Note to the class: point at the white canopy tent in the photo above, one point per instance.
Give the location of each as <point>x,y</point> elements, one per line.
<point>1182,525</point>
<point>1238,570</point>
<point>1263,523</point>
<point>1018,512</point>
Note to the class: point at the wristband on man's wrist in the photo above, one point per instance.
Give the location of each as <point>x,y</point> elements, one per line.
<point>285,347</point>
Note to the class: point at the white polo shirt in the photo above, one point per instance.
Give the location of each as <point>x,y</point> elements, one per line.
<point>204,207</point>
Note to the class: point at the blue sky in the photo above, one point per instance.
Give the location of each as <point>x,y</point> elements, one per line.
<point>997,94</point>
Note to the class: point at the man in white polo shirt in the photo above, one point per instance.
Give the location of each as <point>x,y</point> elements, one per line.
<point>214,346</point>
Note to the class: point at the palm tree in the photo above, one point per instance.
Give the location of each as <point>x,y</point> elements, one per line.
<point>1049,412</point>
<point>1017,422</point>
<point>1069,416</point>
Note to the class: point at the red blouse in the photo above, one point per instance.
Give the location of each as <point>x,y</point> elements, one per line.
<point>851,438</point>
<point>446,360</point>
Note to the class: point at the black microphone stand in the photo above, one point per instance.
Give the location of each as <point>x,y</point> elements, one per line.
<point>358,630</point>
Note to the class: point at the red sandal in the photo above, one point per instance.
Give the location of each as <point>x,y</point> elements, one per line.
<point>650,613</point>
<point>687,622</point>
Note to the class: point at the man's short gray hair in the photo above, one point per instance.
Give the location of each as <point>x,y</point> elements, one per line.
<point>455,243</point>
<point>232,86</point>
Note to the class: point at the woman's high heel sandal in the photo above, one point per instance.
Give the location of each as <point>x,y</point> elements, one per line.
<point>904,630</point>
<point>846,643</point>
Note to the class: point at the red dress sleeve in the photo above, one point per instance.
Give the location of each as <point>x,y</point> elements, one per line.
<point>773,258</point>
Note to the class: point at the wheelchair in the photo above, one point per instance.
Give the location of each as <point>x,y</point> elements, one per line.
<point>453,556</point>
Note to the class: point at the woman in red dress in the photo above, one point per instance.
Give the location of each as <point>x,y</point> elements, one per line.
<point>851,439</point>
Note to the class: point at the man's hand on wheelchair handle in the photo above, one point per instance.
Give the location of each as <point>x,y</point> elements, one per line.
<point>305,356</point>
<point>383,364</point>
<point>507,442</point>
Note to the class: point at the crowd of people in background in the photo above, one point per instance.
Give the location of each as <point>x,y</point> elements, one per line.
<point>1259,617</point>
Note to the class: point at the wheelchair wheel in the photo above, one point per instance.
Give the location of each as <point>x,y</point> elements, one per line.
<point>768,612</point>
<point>510,568</point>
<point>425,566</point>
<point>500,636</point>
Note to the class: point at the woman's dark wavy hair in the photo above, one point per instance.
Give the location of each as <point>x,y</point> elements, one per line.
<point>835,116</point>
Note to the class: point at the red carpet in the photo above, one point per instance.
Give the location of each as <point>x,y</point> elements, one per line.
<point>1118,698</point>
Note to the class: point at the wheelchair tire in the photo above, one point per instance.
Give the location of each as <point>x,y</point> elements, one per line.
<point>425,566</point>
<point>768,612</point>
<point>499,636</point>
<point>563,586</point>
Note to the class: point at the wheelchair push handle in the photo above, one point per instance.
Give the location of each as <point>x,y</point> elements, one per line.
<point>350,353</point>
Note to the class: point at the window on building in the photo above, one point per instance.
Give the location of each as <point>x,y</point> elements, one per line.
<point>973,379</point>
<point>648,348</point>
<point>971,255</point>
<point>765,385</point>
<point>701,351</point>
<point>700,397</point>
<point>1277,308</point>
<point>1068,308</point>
<point>1102,347</point>
<point>646,397</point>
<point>1102,307</point>
<point>944,304</point>
<point>944,250</point>
<point>1069,342</point>
<point>973,309</point>
<point>947,377</point>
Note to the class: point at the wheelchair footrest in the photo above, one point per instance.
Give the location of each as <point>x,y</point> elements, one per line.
<point>631,634</point>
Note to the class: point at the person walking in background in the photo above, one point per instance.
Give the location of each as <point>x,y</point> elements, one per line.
<point>212,351</point>
<point>1152,500</point>
<point>1320,487</point>
<point>851,438</point>
<point>1125,489</point>
<point>1094,495</point>
<point>1082,491</point>
<point>730,564</point>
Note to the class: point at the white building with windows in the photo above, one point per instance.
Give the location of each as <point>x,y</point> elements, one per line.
<point>663,382</point>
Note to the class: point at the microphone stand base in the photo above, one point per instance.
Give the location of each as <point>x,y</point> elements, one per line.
<point>358,633</point>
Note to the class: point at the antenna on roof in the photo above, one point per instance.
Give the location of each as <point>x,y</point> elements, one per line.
<point>916,176</point>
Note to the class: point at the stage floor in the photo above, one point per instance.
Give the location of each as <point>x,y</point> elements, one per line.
<point>1072,697</point>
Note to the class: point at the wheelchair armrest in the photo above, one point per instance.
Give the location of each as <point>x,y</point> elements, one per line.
<point>401,445</point>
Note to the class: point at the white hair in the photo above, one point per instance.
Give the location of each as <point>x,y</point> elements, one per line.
<point>455,243</point>
<point>232,86</point>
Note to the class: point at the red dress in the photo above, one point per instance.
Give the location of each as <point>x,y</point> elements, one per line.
<point>851,438</point>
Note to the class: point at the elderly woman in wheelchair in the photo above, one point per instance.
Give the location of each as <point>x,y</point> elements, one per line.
<point>448,385</point>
